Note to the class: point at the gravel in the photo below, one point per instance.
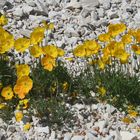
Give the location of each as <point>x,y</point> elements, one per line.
<point>75,21</point>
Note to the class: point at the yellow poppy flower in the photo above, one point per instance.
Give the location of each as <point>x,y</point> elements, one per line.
<point>22,44</point>
<point>79,51</point>
<point>110,48</point>
<point>104,37</point>
<point>101,64</point>
<point>48,26</point>
<point>127,120</point>
<point>22,70</point>
<point>7,93</point>
<point>136,49</point>
<point>2,105</point>
<point>132,113</point>
<point>106,59</point>
<point>37,35</point>
<point>48,63</point>
<point>88,53</point>
<point>137,35</point>
<point>23,86</point>
<point>126,39</point>
<point>132,32</point>
<point>26,127</point>
<point>6,41</point>
<point>50,50</point>
<point>92,45</point>
<point>36,51</point>
<point>124,58</point>
<point>106,51</point>
<point>65,86</point>
<point>116,29</point>
<point>3,20</point>
<point>23,104</point>
<point>102,91</point>
<point>51,26</point>
<point>60,52</point>
<point>19,116</point>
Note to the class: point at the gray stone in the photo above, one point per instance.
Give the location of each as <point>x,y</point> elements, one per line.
<point>53,135</point>
<point>70,32</point>
<point>101,12</point>
<point>106,4</point>
<point>94,16</point>
<point>27,9</point>
<point>2,3</point>
<point>30,3</point>
<point>114,15</point>
<point>90,136</point>
<point>2,134</point>
<point>85,13</point>
<point>25,32</point>
<point>116,1</point>
<point>67,136</point>
<point>18,136</point>
<point>90,3</point>
<point>73,4</point>
<point>11,128</point>
<point>42,130</point>
<point>137,16</point>
<point>18,11</point>
<point>127,135</point>
<point>79,106</point>
<point>77,138</point>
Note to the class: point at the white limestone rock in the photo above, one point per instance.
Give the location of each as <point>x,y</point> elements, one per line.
<point>27,9</point>
<point>67,136</point>
<point>105,3</point>
<point>77,138</point>
<point>90,3</point>
<point>2,3</point>
<point>18,11</point>
<point>127,135</point>
<point>42,130</point>
<point>90,136</point>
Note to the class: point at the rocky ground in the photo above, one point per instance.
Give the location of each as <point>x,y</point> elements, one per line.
<point>75,21</point>
<point>93,122</point>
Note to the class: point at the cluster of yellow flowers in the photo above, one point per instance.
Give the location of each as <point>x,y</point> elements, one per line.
<point>87,49</point>
<point>33,43</point>
<point>6,41</point>
<point>24,83</point>
<point>19,116</point>
<point>132,113</point>
<point>51,52</point>
<point>111,49</point>
<point>48,55</point>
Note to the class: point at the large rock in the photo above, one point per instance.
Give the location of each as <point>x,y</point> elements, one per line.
<point>2,3</point>
<point>127,135</point>
<point>67,136</point>
<point>90,3</point>
<point>105,3</point>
